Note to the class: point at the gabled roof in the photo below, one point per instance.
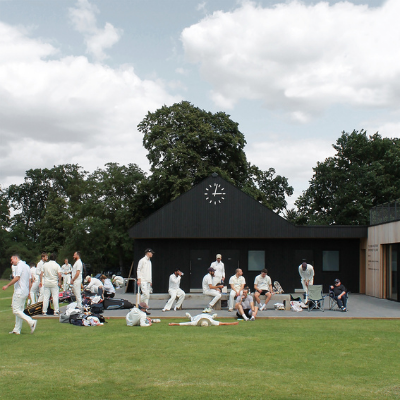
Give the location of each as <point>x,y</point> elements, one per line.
<point>217,209</point>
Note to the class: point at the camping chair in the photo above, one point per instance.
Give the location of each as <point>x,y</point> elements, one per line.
<point>315,298</point>
<point>333,305</point>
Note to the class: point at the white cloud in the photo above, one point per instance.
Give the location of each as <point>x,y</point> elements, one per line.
<point>68,110</point>
<point>294,158</point>
<point>300,58</point>
<point>83,18</point>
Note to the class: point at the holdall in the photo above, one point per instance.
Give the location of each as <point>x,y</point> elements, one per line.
<point>116,304</point>
<point>97,308</point>
<point>37,309</point>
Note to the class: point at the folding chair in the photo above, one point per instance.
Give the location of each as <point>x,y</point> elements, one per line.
<point>315,298</point>
<point>333,305</point>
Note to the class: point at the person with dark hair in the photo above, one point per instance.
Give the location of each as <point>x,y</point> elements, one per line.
<point>210,289</point>
<point>262,286</point>
<point>34,291</point>
<point>306,272</point>
<point>66,274</point>
<point>76,280</point>
<point>144,275</point>
<point>50,279</point>
<point>22,283</point>
<point>39,266</point>
<point>339,293</point>
<point>245,306</point>
<point>175,291</point>
<point>109,290</point>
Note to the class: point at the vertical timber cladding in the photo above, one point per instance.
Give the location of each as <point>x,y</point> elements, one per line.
<point>184,230</point>
<point>282,258</point>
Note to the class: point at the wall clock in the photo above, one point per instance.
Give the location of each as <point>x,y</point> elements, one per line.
<point>215,194</point>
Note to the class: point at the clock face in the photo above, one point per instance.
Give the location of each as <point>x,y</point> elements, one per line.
<point>215,194</point>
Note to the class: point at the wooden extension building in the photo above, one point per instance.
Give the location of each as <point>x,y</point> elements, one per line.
<point>216,217</point>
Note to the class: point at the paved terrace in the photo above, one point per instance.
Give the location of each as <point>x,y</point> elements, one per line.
<point>359,306</point>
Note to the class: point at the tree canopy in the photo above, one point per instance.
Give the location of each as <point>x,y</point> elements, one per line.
<point>364,172</point>
<point>186,144</point>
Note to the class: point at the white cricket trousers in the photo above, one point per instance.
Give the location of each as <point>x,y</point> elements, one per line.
<point>66,281</point>
<point>18,304</point>
<point>77,292</point>
<point>231,301</point>
<point>214,293</point>
<point>53,291</point>
<point>145,289</point>
<point>34,293</point>
<point>175,293</point>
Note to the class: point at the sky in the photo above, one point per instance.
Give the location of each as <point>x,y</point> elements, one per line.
<point>77,77</point>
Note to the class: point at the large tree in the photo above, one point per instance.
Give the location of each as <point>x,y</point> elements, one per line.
<point>186,144</point>
<point>364,172</point>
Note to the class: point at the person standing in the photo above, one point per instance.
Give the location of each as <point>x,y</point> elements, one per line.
<point>76,280</point>
<point>22,283</point>
<point>175,291</point>
<point>144,276</point>
<point>210,289</point>
<point>237,283</point>
<point>218,265</point>
<point>66,270</point>
<point>262,286</point>
<point>34,291</point>
<point>306,272</point>
<point>39,266</point>
<point>50,278</point>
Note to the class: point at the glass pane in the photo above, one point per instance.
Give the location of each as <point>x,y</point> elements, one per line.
<point>256,260</point>
<point>330,260</point>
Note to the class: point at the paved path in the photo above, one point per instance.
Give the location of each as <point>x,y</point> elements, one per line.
<point>359,306</point>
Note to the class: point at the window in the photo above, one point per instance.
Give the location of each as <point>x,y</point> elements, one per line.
<point>330,260</point>
<point>256,261</point>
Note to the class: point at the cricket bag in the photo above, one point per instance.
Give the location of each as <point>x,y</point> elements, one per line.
<point>37,309</point>
<point>116,304</point>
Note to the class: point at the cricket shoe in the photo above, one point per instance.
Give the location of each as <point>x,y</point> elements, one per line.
<point>207,310</point>
<point>33,326</point>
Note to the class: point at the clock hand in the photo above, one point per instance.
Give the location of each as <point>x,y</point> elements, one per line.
<point>215,191</point>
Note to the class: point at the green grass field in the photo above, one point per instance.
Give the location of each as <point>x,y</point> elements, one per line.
<point>275,359</point>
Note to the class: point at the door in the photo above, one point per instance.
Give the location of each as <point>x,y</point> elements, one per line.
<point>230,258</point>
<point>199,262</point>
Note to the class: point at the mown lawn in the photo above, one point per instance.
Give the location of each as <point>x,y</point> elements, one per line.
<point>276,359</point>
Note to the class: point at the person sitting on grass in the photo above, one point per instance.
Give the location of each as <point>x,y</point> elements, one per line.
<point>245,306</point>
<point>339,293</point>
<point>202,320</point>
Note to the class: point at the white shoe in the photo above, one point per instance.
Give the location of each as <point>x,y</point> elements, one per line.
<point>252,318</point>
<point>188,315</point>
<point>214,316</point>
<point>263,307</point>
<point>207,310</point>
<point>245,318</point>
<point>33,327</point>
<point>163,310</point>
<point>175,308</point>
<point>14,333</point>
<point>230,310</point>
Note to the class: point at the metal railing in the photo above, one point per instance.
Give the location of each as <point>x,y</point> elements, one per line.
<point>386,212</point>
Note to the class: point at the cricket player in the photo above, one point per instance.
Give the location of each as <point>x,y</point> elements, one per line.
<point>66,270</point>
<point>144,277</point>
<point>137,317</point>
<point>202,320</point>
<point>175,291</point>
<point>306,272</point>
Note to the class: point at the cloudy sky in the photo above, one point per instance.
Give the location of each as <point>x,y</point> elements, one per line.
<point>76,77</point>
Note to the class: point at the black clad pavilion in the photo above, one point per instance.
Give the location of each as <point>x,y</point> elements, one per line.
<point>216,217</point>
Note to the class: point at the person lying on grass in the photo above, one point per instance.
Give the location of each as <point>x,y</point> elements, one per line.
<point>202,320</point>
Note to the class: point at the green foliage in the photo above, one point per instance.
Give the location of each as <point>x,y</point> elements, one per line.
<point>6,274</point>
<point>186,144</point>
<point>364,172</point>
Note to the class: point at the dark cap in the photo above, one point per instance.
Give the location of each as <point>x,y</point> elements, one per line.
<point>143,305</point>
<point>211,269</point>
<point>149,251</point>
<point>337,281</point>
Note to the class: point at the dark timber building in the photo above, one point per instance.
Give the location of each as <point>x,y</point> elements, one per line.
<point>216,217</point>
